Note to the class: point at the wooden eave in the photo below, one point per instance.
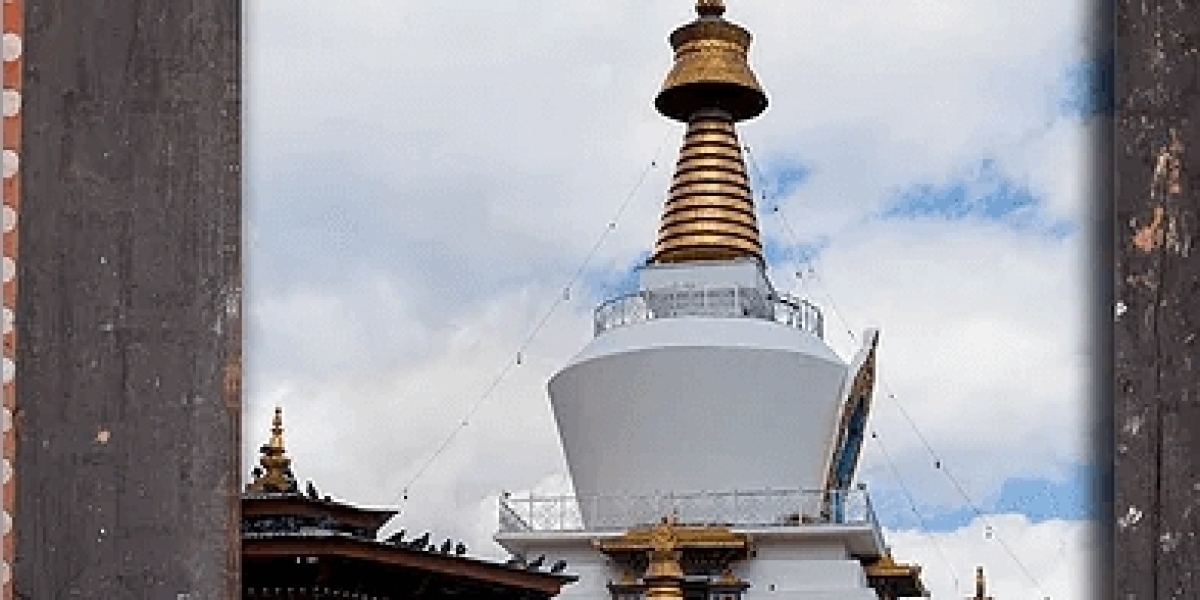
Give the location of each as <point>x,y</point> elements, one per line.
<point>283,505</point>
<point>902,581</point>
<point>471,569</point>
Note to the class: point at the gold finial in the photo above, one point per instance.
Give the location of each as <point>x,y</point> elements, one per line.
<point>980,585</point>
<point>710,8</point>
<point>711,69</point>
<point>709,213</point>
<point>277,430</point>
<point>276,473</point>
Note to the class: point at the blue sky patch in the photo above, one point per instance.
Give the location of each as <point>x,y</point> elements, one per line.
<point>1036,498</point>
<point>1087,89</point>
<point>604,284</point>
<point>982,192</point>
<point>1043,500</point>
<point>785,177</point>
<point>775,179</point>
<point>782,253</point>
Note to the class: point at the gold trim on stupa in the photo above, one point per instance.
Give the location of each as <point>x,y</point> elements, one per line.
<point>886,566</point>
<point>662,547</point>
<point>275,476</point>
<point>895,580</point>
<point>684,537</point>
<point>709,212</point>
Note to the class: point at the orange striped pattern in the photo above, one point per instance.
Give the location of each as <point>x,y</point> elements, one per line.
<point>12,46</point>
<point>709,214</point>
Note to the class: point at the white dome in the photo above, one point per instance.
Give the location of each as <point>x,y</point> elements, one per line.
<point>697,404</point>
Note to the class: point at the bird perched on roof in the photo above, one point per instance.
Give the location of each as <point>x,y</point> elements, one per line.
<point>396,538</point>
<point>311,490</point>
<point>537,563</point>
<point>446,546</point>
<point>558,567</point>
<point>460,549</point>
<point>291,479</point>
<point>421,542</point>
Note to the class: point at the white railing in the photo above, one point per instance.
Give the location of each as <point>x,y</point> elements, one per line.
<point>747,303</point>
<point>764,508</point>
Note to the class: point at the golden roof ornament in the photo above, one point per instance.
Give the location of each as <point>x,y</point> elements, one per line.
<point>980,586</point>
<point>275,476</point>
<point>664,574</point>
<point>663,546</point>
<point>709,213</point>
<point>663,537</point>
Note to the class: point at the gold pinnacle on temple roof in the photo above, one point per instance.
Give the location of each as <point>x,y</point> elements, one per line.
<point>980,586</point>
<point>275,475</point>
<point>709,213</point>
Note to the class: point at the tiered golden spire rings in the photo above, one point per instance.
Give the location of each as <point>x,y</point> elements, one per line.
<point>275,475</point>
<point>709,214</point>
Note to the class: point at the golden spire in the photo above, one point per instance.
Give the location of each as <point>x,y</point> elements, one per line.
<point>709,213</point>
<point>980,586</point>
<point>276,474</point>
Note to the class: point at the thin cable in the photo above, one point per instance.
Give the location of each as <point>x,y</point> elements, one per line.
<point>938,465</point>
<point>912,503</point>
<point>987,523</point>
<point>937,460</point>
<point>612,223</point>
<point>521,349</point>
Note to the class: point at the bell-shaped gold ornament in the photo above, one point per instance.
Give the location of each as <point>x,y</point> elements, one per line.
<point>711,70</point>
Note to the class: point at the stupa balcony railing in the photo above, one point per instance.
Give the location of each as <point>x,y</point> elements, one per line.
<point>737,509</point>
<point>724,302</point>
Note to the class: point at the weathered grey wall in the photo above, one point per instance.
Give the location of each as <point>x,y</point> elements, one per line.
<point>128,332</point>
<point>1157,296</point>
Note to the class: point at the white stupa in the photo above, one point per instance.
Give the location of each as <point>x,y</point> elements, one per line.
<point>710,432</point>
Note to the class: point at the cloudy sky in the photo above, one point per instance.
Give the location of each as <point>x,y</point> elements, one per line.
<point>429,197</point>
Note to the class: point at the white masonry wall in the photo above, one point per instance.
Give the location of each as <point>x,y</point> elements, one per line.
<point>788,566</point>
<point>795,569</point>
<point>698,405</point>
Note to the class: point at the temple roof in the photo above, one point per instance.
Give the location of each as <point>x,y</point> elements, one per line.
<point>315,544</point>
<point>899,580</point>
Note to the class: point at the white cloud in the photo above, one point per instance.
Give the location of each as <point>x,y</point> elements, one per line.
<point>1056,163</point>
<point>547,106</point>
<point>1053,559</point>
<point>981,346</point>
